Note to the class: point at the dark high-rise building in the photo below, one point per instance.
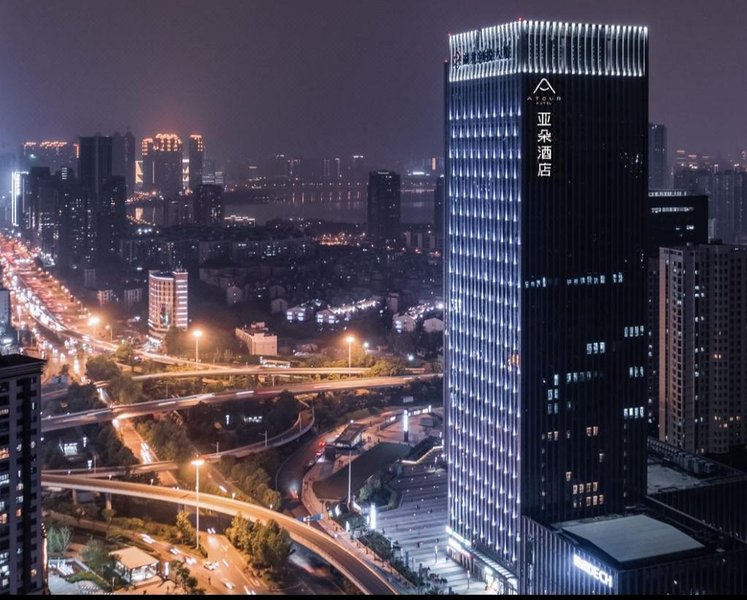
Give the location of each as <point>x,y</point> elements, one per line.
<point>546,178</point>
<point>675,218</point>
<point>439,204</point>
<point>658,169</point>
<point>54,154</point>
<point>21,545</point>
<point>208,204</point>
<point>357,169</point>
<point>196,160</point>
<point>383,207</point>
<point>95,163</point>
<point>123,158</point>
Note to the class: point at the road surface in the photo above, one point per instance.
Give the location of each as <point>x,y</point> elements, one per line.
<point>366,577</point>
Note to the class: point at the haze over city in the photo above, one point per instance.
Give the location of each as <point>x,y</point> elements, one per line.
<point>375,297</point>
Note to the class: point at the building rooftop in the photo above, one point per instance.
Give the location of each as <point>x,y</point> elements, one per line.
<point>628,539</point>
<point>17,360</point>
<point>348,436</point>
<point>133,558</point>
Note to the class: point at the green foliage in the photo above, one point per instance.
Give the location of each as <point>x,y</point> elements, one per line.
<point>101,368</point>
<point>184,579</point>
<point>251,477</point>
<point>384,367</point>
<point>125,390</point>
<point>270,547</point>
<point>111,449</point>
<point>169,440</point>
<point>185,528</point>
<point>125,353</point>
<point>58,539</point>
<point>98,559</point>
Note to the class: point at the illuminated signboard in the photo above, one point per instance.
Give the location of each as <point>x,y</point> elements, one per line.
<point>591,570</point>
<point>543,97</point>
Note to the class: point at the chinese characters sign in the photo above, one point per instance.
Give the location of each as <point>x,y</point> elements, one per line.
<point>544,97</point>
<point>544,144</point>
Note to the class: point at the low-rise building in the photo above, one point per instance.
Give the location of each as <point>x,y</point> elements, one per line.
<point>258,339</point>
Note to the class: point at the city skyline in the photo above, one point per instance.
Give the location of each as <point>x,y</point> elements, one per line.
<point>253,92</point>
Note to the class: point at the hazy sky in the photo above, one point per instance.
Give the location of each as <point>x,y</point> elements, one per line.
<point>325,77</point>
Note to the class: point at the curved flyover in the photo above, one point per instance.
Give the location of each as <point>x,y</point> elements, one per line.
<point>151,407</point>
<point>365,577</point>
<point>303,424</point>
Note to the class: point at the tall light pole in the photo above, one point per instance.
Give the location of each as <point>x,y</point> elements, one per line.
<point>197,464</point>
<point>350,472</point>
<point>350,339</point>
<point>111,332</point>
<point>198,334</point>
<point>93,322</point>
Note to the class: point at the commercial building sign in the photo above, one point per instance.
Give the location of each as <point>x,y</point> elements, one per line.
<point>543,97</point>
<point>595,572</point>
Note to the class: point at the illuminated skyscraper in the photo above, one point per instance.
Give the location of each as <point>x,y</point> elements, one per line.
<point>546,133</point>
<point>21,543</point>
<point>162,164</point>
<point>196,159</point>
<point>167,302</point>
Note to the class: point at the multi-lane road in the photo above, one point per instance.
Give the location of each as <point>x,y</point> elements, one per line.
<point>356,569</point>
<point>126,411</point>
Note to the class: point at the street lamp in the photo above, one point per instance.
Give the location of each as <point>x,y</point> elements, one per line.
<point>111,332</point>
<point>198,334</point>
<point>93,322</point>
<point>197,463</point>
<point>350,339</point>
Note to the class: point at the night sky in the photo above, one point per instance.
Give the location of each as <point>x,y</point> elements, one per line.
<point>321,78</point>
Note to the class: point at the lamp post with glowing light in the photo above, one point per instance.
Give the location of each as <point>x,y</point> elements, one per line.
<point>350,339</point>
<point>197,463</point>
<point>198,334</point>
<point>93,322</point>
<point>111,332</point>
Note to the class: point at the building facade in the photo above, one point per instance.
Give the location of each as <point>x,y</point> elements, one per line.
<point>208,204</point>
<point>168,304</point>
<point>674,218</point>
<point>546,179</point>
<point>196,160</point>
<point>658,167</point>
<point>383,207</point>
<point>21,544</point>
<point>703,347</point>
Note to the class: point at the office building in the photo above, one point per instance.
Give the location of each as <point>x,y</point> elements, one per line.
<point>208,204</point>
<point>658,168</point>
<point>703,347</point>
<point>95,163</point>
<point>123,158</point>
<point>196,159</point>
<point>162,164</point>
<point>546,178</point>
<point>675,218</point>
<point>383,207</point>
<point>21,545</point>
<point>54,154</point>
<point>167,302</point>
<point>439,205</point>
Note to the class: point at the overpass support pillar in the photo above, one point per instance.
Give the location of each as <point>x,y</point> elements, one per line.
<point>108,501</point>
<point>75,497</point>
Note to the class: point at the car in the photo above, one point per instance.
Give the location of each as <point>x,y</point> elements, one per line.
<point>210,566</point>
<point>225,562</point>
<point>145,537</point>
<point>174,551</point>
<point>229,585</point>
<point>211,531</point>
<point>189,559</point>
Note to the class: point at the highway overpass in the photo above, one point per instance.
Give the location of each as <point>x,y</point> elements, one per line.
<point>127,411</point>
<point>367,578</point>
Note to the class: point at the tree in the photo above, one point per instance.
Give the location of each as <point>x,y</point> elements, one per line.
<point>125,390</point>
<point>98,559</point>
<point>58,539</point>
<point>185,528</point>
<point>183,578</point>
<point>125,353</point>
<point>270,547</point>
<point>108,514</point>
<point>101,368</point>
<point>239,533</point>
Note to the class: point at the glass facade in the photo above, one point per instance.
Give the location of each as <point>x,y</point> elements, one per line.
<point>546,139</point>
